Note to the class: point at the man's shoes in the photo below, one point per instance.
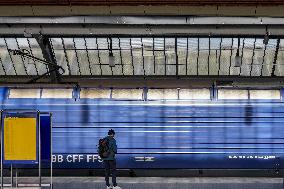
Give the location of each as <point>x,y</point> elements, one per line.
<point>109,187</point>
<point>116,187</point>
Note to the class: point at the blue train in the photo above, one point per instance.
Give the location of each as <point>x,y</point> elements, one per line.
<point>164,134</point>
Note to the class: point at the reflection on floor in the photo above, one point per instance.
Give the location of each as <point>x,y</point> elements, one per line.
<point>161,182</point>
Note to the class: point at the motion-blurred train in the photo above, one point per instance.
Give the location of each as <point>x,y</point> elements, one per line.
<point>164,134</point>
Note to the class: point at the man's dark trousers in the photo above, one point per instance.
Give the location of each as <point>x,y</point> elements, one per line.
<point>110,167</point>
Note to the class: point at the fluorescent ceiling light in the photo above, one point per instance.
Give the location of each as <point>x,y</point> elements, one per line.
<point>111,60</point>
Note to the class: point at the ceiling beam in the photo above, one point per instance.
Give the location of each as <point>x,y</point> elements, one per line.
<point>143,20</point>
<point>142,26</point>
<point>70,30</point>
<point>65,78</point>
<point>143,10</point>
<point>150,81</point>
<point>141,2</point>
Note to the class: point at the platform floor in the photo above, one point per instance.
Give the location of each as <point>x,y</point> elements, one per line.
<point>163,183</point>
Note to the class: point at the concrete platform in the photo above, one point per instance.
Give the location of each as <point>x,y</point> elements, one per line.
<point>164,183</point>
<point>22,188</point>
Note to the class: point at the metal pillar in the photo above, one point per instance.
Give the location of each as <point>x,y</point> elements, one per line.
<point>176,53</point>
<point>39,149</point>
<point>16,177</point>
<point>48,55</point>
<point>51,182</point>
<point>11,175</point>
<point>1,113</point>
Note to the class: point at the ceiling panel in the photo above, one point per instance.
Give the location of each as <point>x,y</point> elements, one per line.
<point>267,64</point>
<point>6,59</point>
<point>18,62</point>
<point>280,59</point>
<point>147,56</point>
<point>247,56</point>
<point>36,51</point>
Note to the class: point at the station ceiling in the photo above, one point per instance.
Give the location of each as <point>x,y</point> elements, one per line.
<point>147,56</point>
<point>141,2</point>
<point>141,47</point>
<point>272,8</point>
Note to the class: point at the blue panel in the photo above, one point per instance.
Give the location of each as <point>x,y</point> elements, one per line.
<point>3,95</point>
<point>206,134</point>
<point>45,138</point>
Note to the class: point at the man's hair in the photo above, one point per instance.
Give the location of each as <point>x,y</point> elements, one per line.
<point>111,132</point>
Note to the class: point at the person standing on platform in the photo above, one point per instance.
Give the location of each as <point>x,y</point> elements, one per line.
<point>107,150</point>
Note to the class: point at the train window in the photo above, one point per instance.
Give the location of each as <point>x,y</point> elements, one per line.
<point>95,93</point>
<point>265,94</point>
<point>224,94</point>
<point>56,93</point>
<point>194,94</point>
<point>24,93</point>
<point>132,94</point>
<point>162,94</point>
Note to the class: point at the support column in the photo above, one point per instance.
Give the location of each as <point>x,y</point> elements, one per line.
<point>48,55</point>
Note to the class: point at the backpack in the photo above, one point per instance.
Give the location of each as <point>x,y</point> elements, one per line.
<point>104,148</point>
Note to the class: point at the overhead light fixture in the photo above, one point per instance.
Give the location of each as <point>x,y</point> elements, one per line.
<point>111,60</point>
<point>266,37</point>
<point>266,40</point>
<point>238,58</point>
<point>27,34</point>
<point>90,31</point>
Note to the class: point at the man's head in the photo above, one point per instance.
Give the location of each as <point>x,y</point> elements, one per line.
<point>111,133</point>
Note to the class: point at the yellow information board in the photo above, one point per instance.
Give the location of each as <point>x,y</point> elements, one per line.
<point>20,141</point>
